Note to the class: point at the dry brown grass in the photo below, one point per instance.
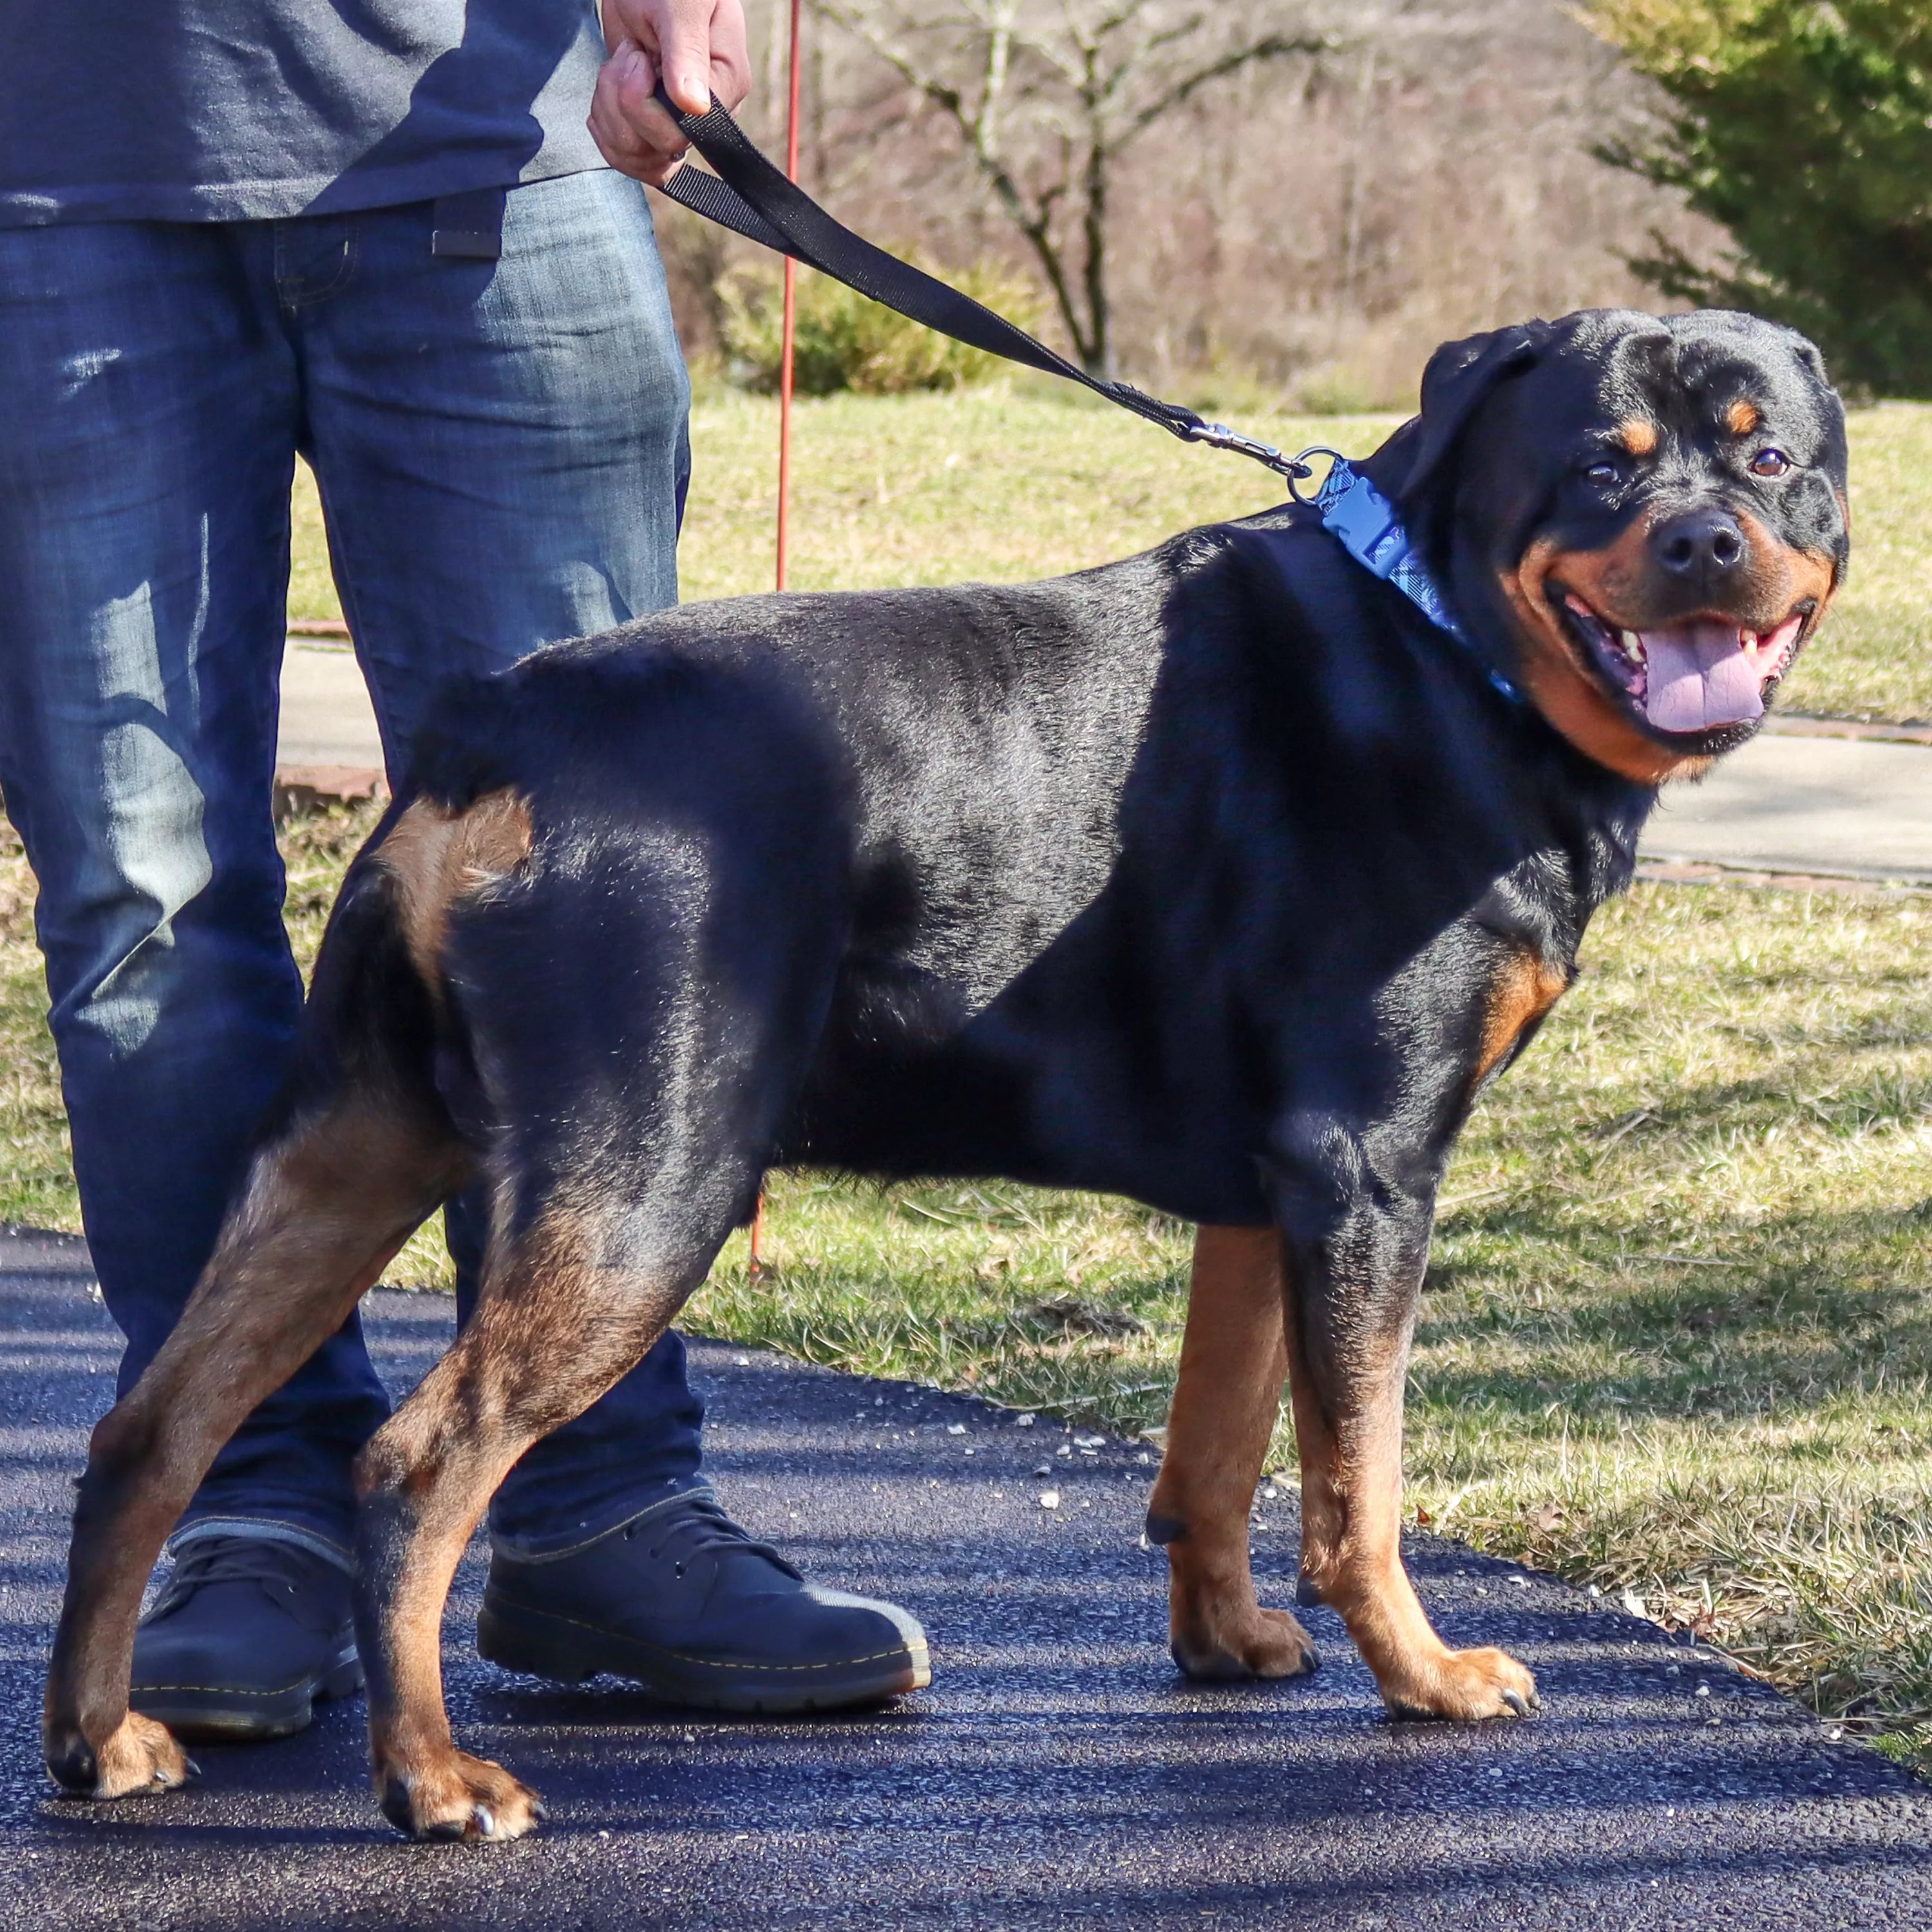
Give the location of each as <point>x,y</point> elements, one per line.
<point>1005,483</point>
<point>1677,1342</point>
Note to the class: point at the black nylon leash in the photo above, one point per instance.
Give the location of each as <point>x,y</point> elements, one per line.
<point>752,197</point>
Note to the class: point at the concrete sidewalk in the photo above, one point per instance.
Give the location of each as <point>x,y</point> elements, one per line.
<point>1790,802</point>
<point>1058,1774</point>
<point>327,718</point>
<point>1793,801</point>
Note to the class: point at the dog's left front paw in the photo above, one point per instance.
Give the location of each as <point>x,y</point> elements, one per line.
<point>1465,1684</point>
<point>1255,1643</point>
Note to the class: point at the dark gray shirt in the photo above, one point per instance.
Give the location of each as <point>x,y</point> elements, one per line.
<point>225,110</point>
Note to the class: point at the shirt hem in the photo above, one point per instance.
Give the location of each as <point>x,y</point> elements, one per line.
<point>349,193</point>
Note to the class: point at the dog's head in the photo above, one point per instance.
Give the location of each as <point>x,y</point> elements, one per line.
<point>1644,516</point>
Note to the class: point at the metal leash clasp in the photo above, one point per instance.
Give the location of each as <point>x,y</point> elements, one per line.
<point>1219,435</point>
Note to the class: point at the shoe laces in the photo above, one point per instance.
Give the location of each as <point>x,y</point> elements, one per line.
<point>284,1570</point>
<point>696,1522</point>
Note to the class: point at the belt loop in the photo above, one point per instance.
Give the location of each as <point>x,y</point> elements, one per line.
<point>469,225</point>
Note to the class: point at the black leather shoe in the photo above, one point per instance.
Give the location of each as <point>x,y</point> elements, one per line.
<point>246,1638</point>
<point>683,1601</point>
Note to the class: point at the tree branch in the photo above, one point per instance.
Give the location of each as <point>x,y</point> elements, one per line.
<point>1273,46</point>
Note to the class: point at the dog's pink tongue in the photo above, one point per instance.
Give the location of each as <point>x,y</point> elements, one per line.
<point>1700,675</point>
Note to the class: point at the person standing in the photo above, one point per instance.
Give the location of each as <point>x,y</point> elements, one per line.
<point>382,234</point>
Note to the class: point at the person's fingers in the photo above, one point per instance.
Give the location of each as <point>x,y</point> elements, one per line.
<point>700,48</point>
<point>730,54</point>
<point>685,49</point>
<point>632,132</point>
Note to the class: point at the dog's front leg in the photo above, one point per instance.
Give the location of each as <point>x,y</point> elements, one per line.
<point>1355,1263</point>
<point>1233,1360</point>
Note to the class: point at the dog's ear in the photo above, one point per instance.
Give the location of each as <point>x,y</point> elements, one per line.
<point>1461,377</point>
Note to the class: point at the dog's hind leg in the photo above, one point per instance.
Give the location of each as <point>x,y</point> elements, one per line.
<point>1233,1360</point>
<point>361,1152</point>
<point>568,1305</point>
<point>641,1015</point>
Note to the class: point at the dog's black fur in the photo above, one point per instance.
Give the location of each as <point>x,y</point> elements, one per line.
<point>1202,878</point>
<point>1180,878</point>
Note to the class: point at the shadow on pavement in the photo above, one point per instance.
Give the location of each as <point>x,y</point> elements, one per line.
<point>1057,1773</point>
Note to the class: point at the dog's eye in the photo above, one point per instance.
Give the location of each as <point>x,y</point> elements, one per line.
<point>1770,463</point>
<point>1605,474</point>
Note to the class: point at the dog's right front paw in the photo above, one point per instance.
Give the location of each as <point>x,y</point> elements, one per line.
<point>456,1796</point>
<point>140,1758</point>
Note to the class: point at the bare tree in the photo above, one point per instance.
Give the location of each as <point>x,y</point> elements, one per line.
<point>1304,231</point>
<point>1048,97</point>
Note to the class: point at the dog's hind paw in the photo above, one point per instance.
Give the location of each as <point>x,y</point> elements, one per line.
<point>140,1758</point>
<point>1465,1684</point>
<point>457,1797</point>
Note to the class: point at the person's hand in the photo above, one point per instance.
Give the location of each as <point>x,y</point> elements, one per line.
<point>698,46</point>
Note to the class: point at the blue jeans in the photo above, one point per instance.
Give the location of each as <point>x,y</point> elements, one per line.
<point>501,449</point>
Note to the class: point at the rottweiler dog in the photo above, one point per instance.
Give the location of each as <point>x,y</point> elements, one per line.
<point>1225,878</point>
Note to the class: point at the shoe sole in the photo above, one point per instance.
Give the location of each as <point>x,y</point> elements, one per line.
<point>218,1714</point>
<point>515,1637</point>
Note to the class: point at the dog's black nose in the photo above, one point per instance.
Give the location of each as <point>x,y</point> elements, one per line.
<point>1706,544</point>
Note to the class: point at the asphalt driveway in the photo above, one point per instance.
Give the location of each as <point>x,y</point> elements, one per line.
<point>1057,1773</point>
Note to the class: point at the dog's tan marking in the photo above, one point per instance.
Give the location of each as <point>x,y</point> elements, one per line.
<point>1613,582</point>
<point>1783,575</point>
<point>1560,687</point>
<point>439,856</point>
<point>1234,1359</point>
<point>1521,994</point>
<point>1742,417</point>
<point>1348,1423</point>
<point>1638,435</point>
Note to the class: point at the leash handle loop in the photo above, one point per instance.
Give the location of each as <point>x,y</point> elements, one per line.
<point>750,195</point>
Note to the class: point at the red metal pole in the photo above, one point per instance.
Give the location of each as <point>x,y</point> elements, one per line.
<point>787,341</point>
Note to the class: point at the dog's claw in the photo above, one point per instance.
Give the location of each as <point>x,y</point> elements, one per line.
<point>1517,1702</point>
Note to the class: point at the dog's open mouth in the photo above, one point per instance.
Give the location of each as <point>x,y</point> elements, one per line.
<point>1698,675</point>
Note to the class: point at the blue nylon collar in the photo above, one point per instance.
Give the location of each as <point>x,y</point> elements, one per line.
<point>1370,528</point>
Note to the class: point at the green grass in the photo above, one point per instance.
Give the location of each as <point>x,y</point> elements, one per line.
<point>1009,483</point>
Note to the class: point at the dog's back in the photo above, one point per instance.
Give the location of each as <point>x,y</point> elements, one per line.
<point>1093,841</point>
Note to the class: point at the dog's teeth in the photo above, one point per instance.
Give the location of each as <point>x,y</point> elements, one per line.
<point>1633,645</point>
